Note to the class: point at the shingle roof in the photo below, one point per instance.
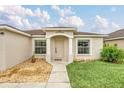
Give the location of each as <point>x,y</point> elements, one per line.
<point>60,27</point>
<point>85,33</point>
<point>35,32</point>
<point>13,29</point>
<point>116,34</point>
<point>41,32</point>
<point>10,27</point>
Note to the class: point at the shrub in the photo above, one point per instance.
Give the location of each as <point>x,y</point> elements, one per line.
<point>112,54</point>
<point>33,59</point>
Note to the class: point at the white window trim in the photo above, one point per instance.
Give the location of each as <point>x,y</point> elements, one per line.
<point>33,45</point>
<point>90,46</point>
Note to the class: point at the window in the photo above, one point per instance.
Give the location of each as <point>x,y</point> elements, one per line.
<point>83,46</point>
<point>40,46</point>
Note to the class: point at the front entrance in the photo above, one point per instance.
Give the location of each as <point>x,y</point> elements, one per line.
<point>59,48</point>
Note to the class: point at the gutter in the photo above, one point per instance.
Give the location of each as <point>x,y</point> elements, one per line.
<point>90,35</point>
<point>114,39</point>
<point>38,36</point>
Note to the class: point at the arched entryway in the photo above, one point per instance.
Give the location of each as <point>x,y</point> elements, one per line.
<point>64,44</point>
<point>59,48</point>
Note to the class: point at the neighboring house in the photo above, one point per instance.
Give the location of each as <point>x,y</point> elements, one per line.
<point>63,44</point>
<point>115,38</point>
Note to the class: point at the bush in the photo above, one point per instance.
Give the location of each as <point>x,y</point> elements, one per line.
<point>112,54</point>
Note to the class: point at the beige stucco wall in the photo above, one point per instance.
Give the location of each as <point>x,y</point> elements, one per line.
<point>2,52</point>
<point>96,46</point>
<point>17,48</point>
<point>43,56</point>
<point>49,33</point>
<point>120,43</point>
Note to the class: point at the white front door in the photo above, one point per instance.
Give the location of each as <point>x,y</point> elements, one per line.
<point>59,48</point>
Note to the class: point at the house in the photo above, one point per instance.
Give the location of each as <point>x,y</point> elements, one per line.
<point>115,38</point>
<point>63,44</point>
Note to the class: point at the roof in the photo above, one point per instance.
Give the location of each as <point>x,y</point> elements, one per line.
<point>59,28</point>
<point>117,34</point>
<point>35,32</point>
<point>42,32</point>
<point>10,26</point>
<point>85,33</point>
<point>13,29</point>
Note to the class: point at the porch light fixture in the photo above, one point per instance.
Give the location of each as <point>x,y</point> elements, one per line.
<point>1,33</point>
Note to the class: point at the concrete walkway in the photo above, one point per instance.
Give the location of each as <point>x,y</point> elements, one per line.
<point>59,77</point>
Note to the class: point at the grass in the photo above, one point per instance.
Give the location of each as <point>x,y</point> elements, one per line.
<point>96,75</point>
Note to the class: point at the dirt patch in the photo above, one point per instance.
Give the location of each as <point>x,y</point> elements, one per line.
<point>27,71</point>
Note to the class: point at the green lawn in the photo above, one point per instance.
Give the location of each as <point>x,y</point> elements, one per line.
<point>96,75</point>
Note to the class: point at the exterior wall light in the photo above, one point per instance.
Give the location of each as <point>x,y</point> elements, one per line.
<point>1,33</point>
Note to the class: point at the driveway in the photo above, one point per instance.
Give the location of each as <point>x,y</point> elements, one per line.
<point>58,79</point>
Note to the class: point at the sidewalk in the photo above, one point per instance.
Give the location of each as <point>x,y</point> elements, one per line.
<point>59,77</point>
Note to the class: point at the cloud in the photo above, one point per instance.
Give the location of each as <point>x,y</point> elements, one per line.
<point>103,25</point>
<point>68,17</point>
<point>35,25</point>
<point>19,21</point>
<point>63,12</point>
<point>43,14</point>
<point>16,10</point>
<point>15,20</point>
<point>26,23</point>
<point>20,16</point>
<point>26,18</point>
<point>29,12</point>
<point>71,21</point>
<point>115,25</point>
<point>16,16</point>
<point>101,22</point>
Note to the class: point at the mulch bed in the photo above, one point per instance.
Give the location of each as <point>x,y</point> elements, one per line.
<point>39,71</point>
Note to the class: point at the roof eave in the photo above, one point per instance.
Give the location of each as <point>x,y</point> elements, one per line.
<point>91,35</point>
<point>14,30</point>
<point>38,36</point>
<point>59,29</point>
<point>117,38</point>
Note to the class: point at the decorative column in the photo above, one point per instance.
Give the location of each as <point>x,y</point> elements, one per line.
<point>48,56</point>
<point>70,50</point>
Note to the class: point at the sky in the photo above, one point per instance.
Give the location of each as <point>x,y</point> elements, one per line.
<point>96,19</point>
